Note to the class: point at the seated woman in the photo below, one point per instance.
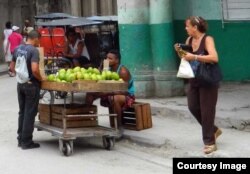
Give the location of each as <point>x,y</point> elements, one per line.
<point>75,50</point>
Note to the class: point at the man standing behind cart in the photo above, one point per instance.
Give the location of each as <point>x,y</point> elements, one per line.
<point>26,58</point>
<point>118,101</point>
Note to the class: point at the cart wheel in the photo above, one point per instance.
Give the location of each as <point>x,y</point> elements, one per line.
<point>108,142</point>
<point>66,149</point>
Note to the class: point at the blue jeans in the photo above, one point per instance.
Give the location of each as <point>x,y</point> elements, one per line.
<point>28,99</point>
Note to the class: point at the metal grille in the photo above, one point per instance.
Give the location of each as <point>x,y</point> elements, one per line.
<point>236,10</point>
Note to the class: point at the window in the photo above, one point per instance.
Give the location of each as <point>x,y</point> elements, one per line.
<point>236,10</point>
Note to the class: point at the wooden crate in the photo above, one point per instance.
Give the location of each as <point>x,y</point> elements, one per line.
<point>53,115</point>
<point>138,117</point>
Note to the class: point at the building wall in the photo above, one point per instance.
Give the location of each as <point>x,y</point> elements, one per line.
<point>231,39</point>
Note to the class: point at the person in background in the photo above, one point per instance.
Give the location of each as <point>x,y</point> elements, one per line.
<point>28,92</point>
<point>202,99</point>
<point>26,29</point>
<point>14,40</point>
<point>75,49</point>
<point>116,101</point>
<point>6,33</point>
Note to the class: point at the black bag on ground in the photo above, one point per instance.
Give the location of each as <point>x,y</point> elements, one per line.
<point>209,74</point>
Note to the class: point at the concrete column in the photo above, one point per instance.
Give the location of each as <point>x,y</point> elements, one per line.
<point>89,7</point>
<point>75,7</point>
<point>106,7</point>
<point>162,40</point>
<point>93,8</point>
<point>135,43</point>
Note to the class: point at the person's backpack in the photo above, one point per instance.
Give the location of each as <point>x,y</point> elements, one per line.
<point>22,73</point>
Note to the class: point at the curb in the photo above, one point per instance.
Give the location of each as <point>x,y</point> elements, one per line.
<point>3,69</point>
<point>146,139</point>
<point>3,72</point>
<point>241,124</point>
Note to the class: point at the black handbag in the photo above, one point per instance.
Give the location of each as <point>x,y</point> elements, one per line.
<point>209,74</point>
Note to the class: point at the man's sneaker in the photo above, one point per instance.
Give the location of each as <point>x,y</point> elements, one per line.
<point>30,146</point>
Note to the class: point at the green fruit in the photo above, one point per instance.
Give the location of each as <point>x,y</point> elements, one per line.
<point>99,77</point>
<point>51,77</point>
<point>96,71</point>
<point>62,75</point>
<point>93,77</point>
<point>77,69</point>
<point>70,77</point>
<point>83,70</point>
<point>103,75</point>
<point>79,75</point>
<point>115,76</point>
<point>108,75</point>
<point>69,71</point>
<point>67,77</point>
<point>87,76</point>
<point>62,71</point>
<point>121,80</point>
<point>90,70</point>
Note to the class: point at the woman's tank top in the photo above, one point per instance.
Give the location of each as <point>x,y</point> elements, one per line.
<point>194,64</point>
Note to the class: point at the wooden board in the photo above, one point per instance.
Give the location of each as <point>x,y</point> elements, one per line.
<point>54,114</point>
<point>41,62</point>
<point>75,124</point>
<point>69,109</point>
<point>84,87</point>
<point>138,117</point>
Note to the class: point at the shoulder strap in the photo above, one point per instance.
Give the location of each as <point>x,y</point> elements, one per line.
<point>119,68</point>
<point>203,44</point>
<point>190,41</point>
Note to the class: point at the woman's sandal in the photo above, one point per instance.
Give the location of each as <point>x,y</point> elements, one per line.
<point>209,148</point>
<point>217,133</point>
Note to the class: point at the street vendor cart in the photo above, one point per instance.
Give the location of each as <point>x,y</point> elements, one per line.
<point>70,121</point>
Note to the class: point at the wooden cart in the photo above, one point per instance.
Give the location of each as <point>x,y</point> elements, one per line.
<point>65,134</point>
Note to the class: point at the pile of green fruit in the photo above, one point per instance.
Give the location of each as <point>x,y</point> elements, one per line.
<point>79,73</point>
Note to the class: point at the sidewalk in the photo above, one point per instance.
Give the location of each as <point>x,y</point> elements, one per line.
<point>3,68</point>
<point>175,129</point>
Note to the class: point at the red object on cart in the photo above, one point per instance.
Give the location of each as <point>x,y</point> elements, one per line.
<point>58,40</point>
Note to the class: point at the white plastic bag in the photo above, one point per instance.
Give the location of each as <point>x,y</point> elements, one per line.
<point>185,71</point>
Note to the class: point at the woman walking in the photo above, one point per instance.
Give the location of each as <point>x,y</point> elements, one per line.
<point>6,33</point>
<point>202,98</point>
